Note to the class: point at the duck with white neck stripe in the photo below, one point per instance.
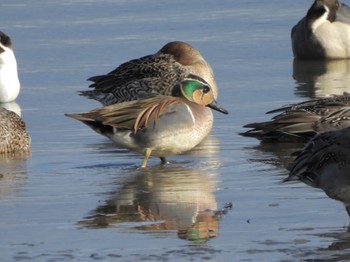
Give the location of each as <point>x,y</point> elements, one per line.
<point>324,33</point>
<point>9,82</point>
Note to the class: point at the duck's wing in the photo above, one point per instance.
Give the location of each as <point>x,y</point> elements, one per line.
<point>133,115</point>
<point>135,79</point>
<point>323,149</point>
<point>335,120</point>
<point>304,120</point>
<point>294,125</point>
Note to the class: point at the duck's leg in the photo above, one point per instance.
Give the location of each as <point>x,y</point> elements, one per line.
<point>147,154</point>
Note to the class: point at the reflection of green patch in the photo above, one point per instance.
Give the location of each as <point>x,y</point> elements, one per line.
<point>193,234</point>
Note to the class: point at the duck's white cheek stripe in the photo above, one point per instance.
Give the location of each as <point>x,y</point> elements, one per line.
<point>190,111</point>
<point>320,20</point>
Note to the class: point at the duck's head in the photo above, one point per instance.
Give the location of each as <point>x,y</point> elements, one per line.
<point>190,58</point>
<point>198,91</point>
<point>323,9</point>
<point>5,42</point>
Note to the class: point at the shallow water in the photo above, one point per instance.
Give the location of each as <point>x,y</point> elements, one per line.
<point>79,198</point>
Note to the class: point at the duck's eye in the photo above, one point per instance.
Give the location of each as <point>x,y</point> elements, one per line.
<point>206,89</point>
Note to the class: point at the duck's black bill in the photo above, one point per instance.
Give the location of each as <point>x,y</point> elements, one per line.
<point>214,105</point>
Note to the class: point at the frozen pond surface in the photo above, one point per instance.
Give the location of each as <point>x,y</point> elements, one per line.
<point>79,198</point>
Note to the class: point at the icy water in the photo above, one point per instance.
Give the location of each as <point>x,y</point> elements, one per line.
<point>79,198</point>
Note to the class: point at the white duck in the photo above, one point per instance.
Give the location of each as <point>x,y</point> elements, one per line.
<point>9,82</point>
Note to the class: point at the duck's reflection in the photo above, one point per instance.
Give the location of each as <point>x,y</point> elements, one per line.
<point>13,171</point>
<point>162,200</point>
<point>336,251</point>
<point>320,78</point>
<point>277,154</point>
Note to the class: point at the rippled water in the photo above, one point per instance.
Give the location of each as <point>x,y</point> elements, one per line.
<point>79,198</point>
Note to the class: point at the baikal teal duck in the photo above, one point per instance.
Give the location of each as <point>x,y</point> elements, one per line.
<point>158,125</point>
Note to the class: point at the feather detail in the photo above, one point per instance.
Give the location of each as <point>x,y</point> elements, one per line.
<point>304,119</point>
<point>133,115</point>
